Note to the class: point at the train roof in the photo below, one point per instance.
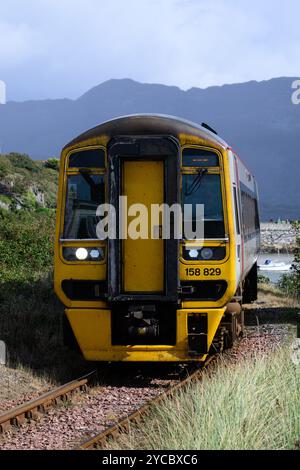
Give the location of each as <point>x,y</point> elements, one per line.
<point>148,124</point>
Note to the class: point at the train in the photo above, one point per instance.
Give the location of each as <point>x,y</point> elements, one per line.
<point>157,294</point>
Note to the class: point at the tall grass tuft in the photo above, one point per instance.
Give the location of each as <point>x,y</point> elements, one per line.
<point>254,404</point>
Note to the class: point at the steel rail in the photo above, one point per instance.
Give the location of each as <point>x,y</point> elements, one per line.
<point>27,411</point>
<point>123,425</point>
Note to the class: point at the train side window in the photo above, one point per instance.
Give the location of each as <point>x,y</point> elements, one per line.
<point>250,213</point>
<point>199,158</point>
<point>237,218</point>
<point>93,158</point>
<point>257,224</point>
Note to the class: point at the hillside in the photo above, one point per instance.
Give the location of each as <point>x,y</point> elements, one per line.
<point>257,119</point>
<point>28,184</point>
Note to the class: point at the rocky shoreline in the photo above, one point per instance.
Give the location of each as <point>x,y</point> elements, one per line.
<point>278,238</point>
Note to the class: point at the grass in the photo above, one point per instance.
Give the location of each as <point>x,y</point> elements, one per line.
<point>20,381</point>
<point>30,314</point>
<point>31,325</point>
<point>245,406</point>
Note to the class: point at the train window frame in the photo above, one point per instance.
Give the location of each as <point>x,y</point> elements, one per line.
<point>237,210</point>
<point>211,170</point>
<point>83,181</point>
<point>85,149</point>
<point>70,171</point>
<point>249,204</point>
<point>208,150</point>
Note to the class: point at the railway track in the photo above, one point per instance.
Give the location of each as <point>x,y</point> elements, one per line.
<point>33,408</point>
<point>100,440</point>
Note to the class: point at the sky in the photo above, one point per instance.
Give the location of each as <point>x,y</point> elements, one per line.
<point>62,48</point>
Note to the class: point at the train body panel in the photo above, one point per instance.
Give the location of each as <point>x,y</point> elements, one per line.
<point>93,327</point>
<point>146,299</point>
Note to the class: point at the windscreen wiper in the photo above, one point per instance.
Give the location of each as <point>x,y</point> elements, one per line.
<point>197,182</point>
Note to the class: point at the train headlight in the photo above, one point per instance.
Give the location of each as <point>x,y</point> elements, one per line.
<point>193,254</point>
<point>207,253</point>
<point>81,254</point>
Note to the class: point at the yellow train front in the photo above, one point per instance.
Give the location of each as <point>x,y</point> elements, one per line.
<point>150,297</point>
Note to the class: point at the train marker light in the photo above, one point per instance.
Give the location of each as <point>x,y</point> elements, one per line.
<point>94,254</point>
<point>82,254</point>
<point>207,253</point>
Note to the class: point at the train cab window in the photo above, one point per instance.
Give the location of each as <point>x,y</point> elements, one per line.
<point>93,158</point>
<point>199,158</point>
<point>85,192</point>
<point>206,191</point>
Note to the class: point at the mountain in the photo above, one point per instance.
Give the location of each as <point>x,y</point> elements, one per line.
<point>257,119</point>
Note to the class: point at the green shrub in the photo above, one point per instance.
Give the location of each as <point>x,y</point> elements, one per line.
<point>26,244</point>
<point>22,161</point>
<point>52,163</point>
<point>29,200</point>
<point>5,199</point>
<point>290,283</point>
<point>5,166</point>
<point>263,279</point>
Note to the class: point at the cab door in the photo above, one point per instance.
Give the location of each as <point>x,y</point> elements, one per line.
<point>146,170</point>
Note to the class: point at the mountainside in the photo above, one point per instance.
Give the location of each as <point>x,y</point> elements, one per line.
<point>257,119</point>
<point>27,184</point>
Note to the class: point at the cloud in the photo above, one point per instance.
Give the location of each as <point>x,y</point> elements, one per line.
<point>18,44</point>
<point>51,48</point>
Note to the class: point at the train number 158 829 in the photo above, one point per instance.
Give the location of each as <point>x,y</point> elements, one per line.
<point>192,272</point>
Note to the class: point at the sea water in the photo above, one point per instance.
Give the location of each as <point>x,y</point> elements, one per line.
<point>274,276</point>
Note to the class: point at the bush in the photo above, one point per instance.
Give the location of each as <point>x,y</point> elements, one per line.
<point>290,283</point>
<point>263,279</point>
<point>26,244</point>
<point>22,161</point>
<point>52,163</point>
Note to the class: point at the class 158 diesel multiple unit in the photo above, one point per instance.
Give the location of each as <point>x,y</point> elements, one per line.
<point>155,299</point>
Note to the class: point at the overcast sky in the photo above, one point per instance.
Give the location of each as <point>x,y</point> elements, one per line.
<point>62,48</point>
